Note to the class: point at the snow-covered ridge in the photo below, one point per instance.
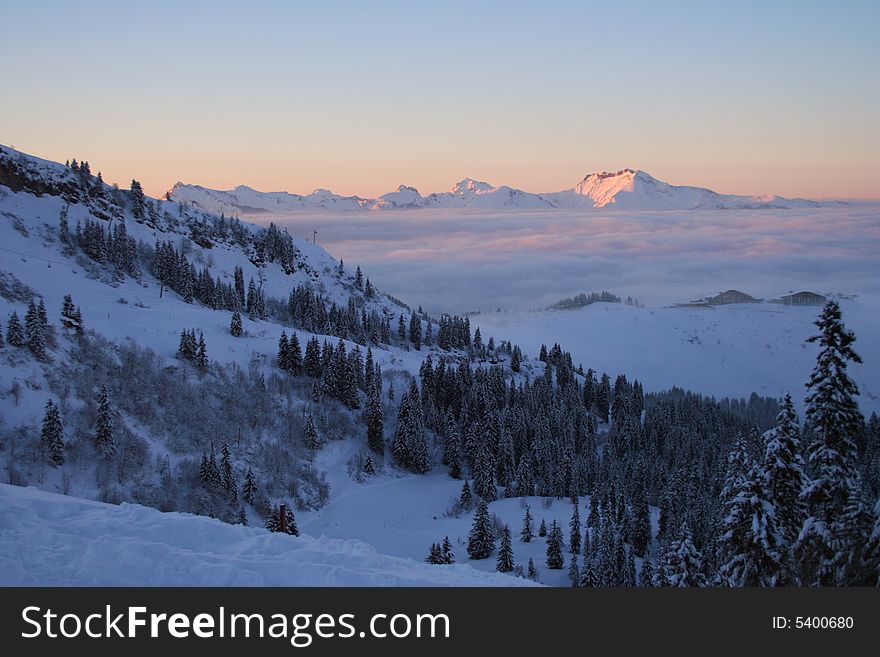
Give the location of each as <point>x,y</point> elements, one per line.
<point>50,540</point>
<point>626,189</point>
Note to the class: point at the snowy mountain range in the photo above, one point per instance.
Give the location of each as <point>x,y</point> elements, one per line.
<point>628,189</point>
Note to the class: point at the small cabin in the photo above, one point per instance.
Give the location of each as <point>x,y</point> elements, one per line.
<point>803,299</point>
<point>730,296</point>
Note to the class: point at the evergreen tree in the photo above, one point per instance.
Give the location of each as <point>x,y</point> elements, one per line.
<point>532,572</point>
<point>505,552</point>
<point>639,529</point>
<point>202,354</point>
<point>785,479</point>
<point>34,328</point>
<point>446,551</point>
<point>574,527</point>
<point>369,465</point>
<point>629,574</point>
<point>646,574</point>
<point>435,556</point>
<point>681,564</point>
<point>358,278</point>
<point>750,542</point>
<point>516,359</point>
<point>415,331</point>
<point>401,329</point>
<point>71,317</point>
<point>272,519</point>
<point>294,355</point>
<point>574,573</point>
<point>527,533</point>
<point>542,530</point>
<point>375,418</point>
<point>138,201</point>
<point>52,435</point>
<point>104,441</point>
<point>481,540</point>
<point>227,479</point>
<point>242,517</point>
<point>834,530</point>
<point>310,435</point>
<point>249,490</point>
<point>283,358</point>
<point>466,499</point>
<point>235,326</point>
<point>14,332</point>
<point>1,336</point>
<point>555,560</point>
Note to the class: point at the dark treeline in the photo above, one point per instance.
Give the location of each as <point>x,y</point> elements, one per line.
<point>747,496</point>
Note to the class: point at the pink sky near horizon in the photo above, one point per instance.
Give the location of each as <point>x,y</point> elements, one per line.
<point>748,97</point>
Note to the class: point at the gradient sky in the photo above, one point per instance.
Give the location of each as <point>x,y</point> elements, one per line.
<point>744,97</point>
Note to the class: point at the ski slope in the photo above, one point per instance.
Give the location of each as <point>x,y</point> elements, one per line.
<point>55,540</point>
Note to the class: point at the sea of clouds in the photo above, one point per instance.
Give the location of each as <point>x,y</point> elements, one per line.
<point>455,260</point>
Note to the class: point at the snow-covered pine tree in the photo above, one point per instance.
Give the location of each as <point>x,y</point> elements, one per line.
<point>236,329</point>
<point>272,518</point>
<point>481,540</point>
<point>446,551</point>
<point>434,555</point>
<point>532,572</point>
<point>466,499</point>
<point>574,573</point>
<point>290,524</point>
<point>138,201</point>
<point>527,533</point>
<point>227,479</point>
<point>784,469</point>
<point>295,356</point>
<point>104,441</point>
<point>574,527</point>
<point>834,530</point>
<point>375,417</point>
<point>415,331</point>
<point>2,342</point>
<point>542,530</point>
<point>249,489</point>
<point>505,562</point>
<point>454,455</point>
<point>369,465</point>
<point>629,573</point>
<point>681,564</point>
<point>516,359</point>
<point>283,357</point>
<point>646,574</point>
<point>555,560</point>
<point>71,317</point>
<point>359,278</point>
<point>52,434</point>
<point>35,334</point>
<point>484,476</point>
<point>202,353</point>
<point>310,434</point>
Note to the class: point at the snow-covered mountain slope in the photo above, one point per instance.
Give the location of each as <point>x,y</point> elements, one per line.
<point>627,189</point>
<point>466,193</point>
<point>727,351</point>
<point>245,200</point>
<point>630,189</point>
<point>55,540</point>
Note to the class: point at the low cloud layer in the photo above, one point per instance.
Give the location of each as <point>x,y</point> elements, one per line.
<point>450,261</point>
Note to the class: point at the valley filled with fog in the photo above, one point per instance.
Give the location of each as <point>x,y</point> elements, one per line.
<point>466,260</point>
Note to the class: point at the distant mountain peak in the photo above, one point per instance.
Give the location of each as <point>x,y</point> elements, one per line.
<point>629,188</point>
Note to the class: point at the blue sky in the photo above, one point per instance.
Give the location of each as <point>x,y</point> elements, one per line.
<point>744,97</point>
